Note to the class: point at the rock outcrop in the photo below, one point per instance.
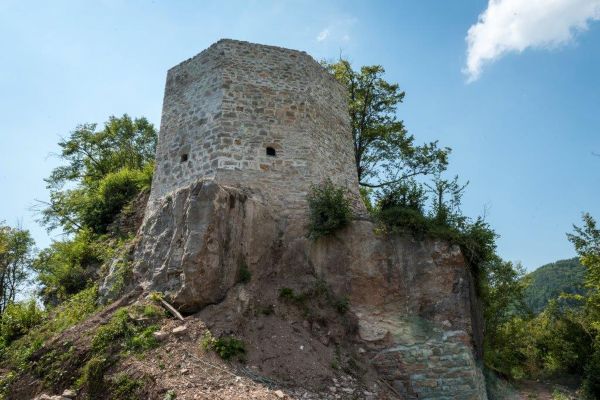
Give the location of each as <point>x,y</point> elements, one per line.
<point>194,247</point>
<point>411,302</point>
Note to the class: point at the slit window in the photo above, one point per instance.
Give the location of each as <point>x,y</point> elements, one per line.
<point>271,152</point>
<point>184,157</point>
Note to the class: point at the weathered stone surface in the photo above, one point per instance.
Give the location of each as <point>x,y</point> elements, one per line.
<point>69,393</point>
<point>221,201</point>
<point>180,330</point>
<point>224,107</point>
<point>193,247</point>
<point>412,299</point>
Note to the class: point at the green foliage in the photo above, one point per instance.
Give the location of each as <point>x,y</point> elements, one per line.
<point>122,333</point>
<point>287,293</point>
<point>104,169</point>
<point>18,319</point>
<point>365,195</point>
<point>329,209</point>
<point>114,192</point>
<point>586,240</point>
<point>591,382</point>
<point>342,305</point>
<point>16,246</point>
<point>170,395</point>
<point>564,338</point>
<point>69,266</point>
<point>446,196</point>
<point>226,347</point>
<point>408,194</point>
<point>125,387</point>
<point>92,377</point>
<point>550,281</point>
<point>16,355</point>
<point>385,153</point>
<point>404,220</point>
<point>244,274</point>
<point>53,365</point>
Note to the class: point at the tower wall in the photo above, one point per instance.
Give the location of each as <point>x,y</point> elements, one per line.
<point>224,107</point>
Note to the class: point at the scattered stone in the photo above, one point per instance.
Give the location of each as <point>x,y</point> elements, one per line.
<point>180,330</point>
<point>279,394</point>
<point>69,393</point>
<point>160,335</point>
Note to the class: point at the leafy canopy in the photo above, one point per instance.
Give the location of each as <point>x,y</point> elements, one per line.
<point>16,247</point>
<point>92,154</point>
<point>385,153</point>
<point>104,170</point>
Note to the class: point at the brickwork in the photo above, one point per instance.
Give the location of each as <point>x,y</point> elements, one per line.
<point>427,362</point>
<point>226,106</point>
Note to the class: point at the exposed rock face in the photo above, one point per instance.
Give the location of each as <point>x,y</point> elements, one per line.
<point>194,246</point>
<point>412,300</point>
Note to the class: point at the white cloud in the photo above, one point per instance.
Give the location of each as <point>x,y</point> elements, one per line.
<point>323,35</point>
<point>515,25</point>
<point>338,30</point>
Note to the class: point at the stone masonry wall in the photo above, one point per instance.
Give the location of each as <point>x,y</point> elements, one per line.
<point>226,106</point>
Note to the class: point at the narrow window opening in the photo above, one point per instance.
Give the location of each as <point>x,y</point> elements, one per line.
<point>184,157</point>
<point>271,152</point>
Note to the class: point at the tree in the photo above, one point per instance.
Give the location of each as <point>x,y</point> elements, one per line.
<point>502,290</point>
<point>447,197</point>
<point>16,246</point>
<point>586,240</point>
<point>104,169</point>
<point>385,154</point>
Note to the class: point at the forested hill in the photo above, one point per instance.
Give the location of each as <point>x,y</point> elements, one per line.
<point>550,280</point>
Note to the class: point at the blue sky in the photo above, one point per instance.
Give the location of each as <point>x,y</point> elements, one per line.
<point>522,132</point>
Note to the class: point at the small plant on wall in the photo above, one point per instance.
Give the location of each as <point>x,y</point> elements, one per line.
<point>329,209</point>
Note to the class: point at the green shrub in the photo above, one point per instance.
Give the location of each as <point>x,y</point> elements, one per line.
<point>591,381</point>
<point>125,387</point>
<point>124,333</point>
<point>405,220</point>
<point>92,378</point>
<point>341,305</point>
<point>405,195</point>
<point>226,347</point>
<point>114,192</point>
<point>287,293</point>
<point>244,274</point>
<point>80,306</point>
<point>67,267</point>
<point>18,319</point>
<point>170,395</point>
<point>329,209</point>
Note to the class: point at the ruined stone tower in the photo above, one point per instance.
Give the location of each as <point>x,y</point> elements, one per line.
<point>266,118</point>
<point>246,130</point>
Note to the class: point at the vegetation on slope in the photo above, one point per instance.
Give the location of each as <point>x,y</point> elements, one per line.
<point>403,186</point>
<point>550,281</point>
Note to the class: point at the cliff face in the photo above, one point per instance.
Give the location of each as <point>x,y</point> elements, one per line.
<point>400,309</point>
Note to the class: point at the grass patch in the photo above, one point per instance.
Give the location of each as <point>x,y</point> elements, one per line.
<point>92,377</point>
<point>125,387</point>
<point>124,334</point>
<point>17,355</point>
<point>227,347</point>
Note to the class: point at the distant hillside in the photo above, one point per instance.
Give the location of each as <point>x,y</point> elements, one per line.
<point>550,280</point>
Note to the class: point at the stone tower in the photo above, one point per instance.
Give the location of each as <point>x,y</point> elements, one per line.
<point>266,118</point>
